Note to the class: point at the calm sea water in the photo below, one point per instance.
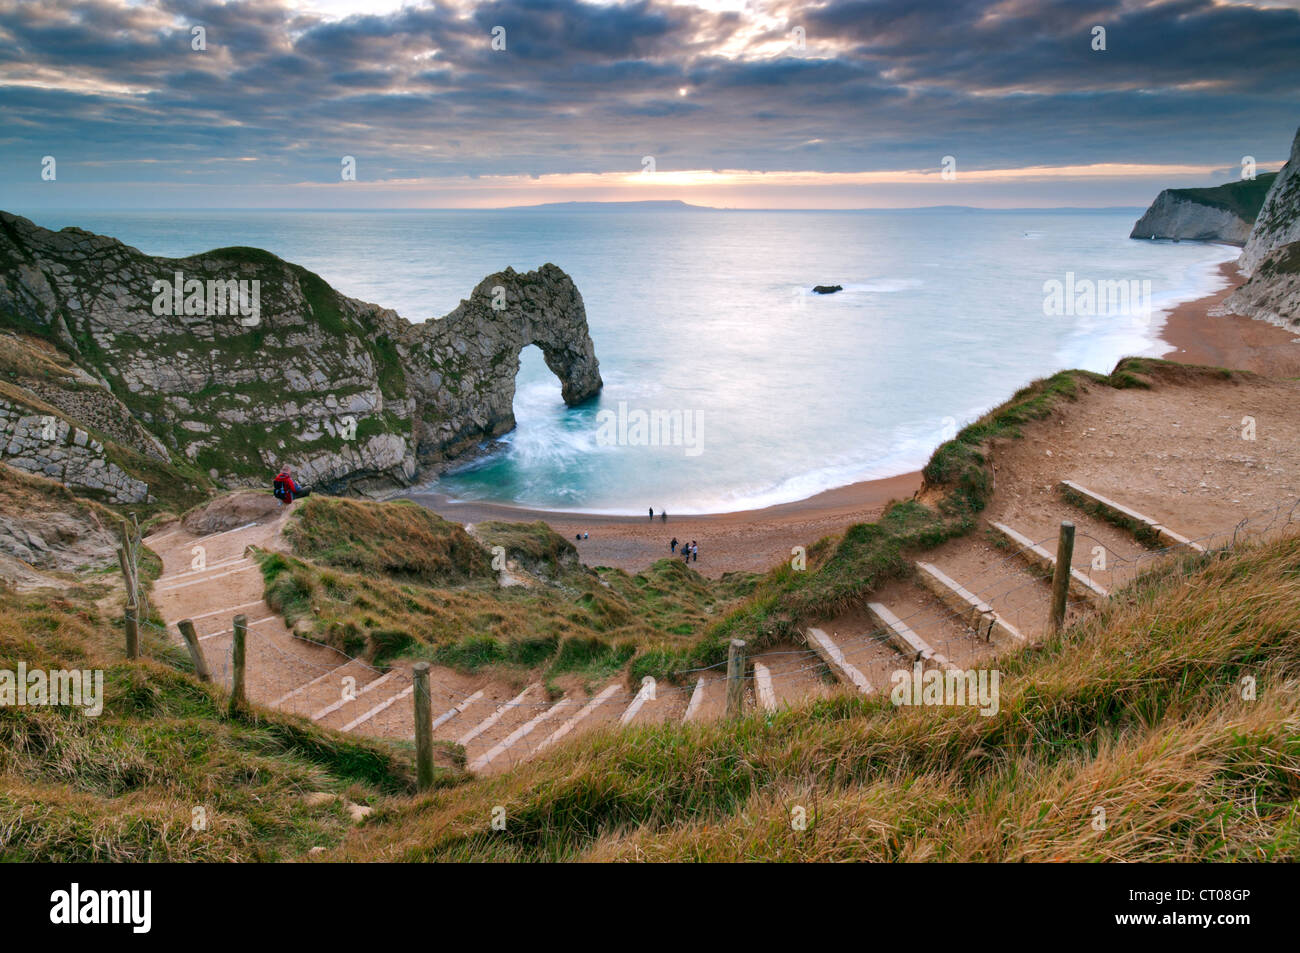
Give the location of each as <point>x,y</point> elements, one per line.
<point>710,314</point>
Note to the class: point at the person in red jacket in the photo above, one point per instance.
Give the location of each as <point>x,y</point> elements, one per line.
<point>286,491</point>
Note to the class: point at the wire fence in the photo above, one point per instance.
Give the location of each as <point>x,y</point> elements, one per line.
<point>498,727</point>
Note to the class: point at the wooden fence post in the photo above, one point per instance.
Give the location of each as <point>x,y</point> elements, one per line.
<point>735,678</point>
<point>132,631</point>
<point>238,701</point>
<point>1061,577</point>
<point>423,727</point>
<point>196,651</point>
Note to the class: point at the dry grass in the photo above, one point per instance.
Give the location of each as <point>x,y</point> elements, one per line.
<point>344,580</point>
<point>124,786</point>
<point>1138,711</point>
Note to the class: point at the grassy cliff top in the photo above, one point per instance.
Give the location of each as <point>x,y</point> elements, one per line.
<point>1244,198</point>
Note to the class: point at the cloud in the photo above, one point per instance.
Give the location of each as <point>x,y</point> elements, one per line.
<point>880,85</point>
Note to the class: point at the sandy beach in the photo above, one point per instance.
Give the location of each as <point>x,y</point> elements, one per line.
<point>755,540</point>
<point>1198,337</point>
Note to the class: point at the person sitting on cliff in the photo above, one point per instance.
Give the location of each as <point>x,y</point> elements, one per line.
<point>286,490</point>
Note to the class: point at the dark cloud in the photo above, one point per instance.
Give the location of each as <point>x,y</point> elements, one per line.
<point>591,87</point>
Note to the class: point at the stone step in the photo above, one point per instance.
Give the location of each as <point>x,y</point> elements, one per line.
<point>974,611</point>
<point>586,717</point>
<point>504,719</point>
<point>834,657</point>
<point>342,710</point>
<point>315,694</point>
<point>1118,512</point>
<point>697,700</point>
<point>646,693</point>
<point>763,687</point>
<point>906,641</point>
<point>1080,586</point>
<point>383,706</point>
<point>515,747</point>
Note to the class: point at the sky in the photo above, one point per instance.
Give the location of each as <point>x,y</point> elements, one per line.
<point>733,103</point>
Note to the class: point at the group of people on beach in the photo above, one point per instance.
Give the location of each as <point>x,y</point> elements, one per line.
<point>690,551</point>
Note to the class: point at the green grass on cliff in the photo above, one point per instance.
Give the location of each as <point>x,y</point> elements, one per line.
<point>1243,198</point>
<point>1139,711</point>
<point>403,541</point>
<point>388,580</point>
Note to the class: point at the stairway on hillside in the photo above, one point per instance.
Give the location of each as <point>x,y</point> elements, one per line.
<point>964,603</point>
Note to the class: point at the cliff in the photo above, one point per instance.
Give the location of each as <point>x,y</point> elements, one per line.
<point>226,364</point>
<point>1272,292</point>
<point>1278,222</point>
<point>1271,258</point>
<point>1224,213</point>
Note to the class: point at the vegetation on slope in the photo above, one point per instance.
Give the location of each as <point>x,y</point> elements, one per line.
<point>124,786</point>
<point>1140,712</point>
<point>402,540</point>
<point>389,580</point>
<point>36,376</point>
<point>1243,198</point>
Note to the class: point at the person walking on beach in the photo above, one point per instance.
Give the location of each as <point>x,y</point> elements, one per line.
<point>695,551</point>
<point>663,515</point>
<point>672,547</point>
<point>652,514</point>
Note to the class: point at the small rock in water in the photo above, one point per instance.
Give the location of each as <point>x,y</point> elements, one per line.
<point>827,289</point>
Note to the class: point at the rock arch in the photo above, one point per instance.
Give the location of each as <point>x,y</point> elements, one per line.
<point>462,367</point>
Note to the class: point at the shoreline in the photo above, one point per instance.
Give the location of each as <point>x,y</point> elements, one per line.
<point>744,541</point>
<point>1192,335</point>
<point>755,540</point>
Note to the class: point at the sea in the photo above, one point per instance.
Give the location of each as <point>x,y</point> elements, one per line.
<point>729,384</point>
